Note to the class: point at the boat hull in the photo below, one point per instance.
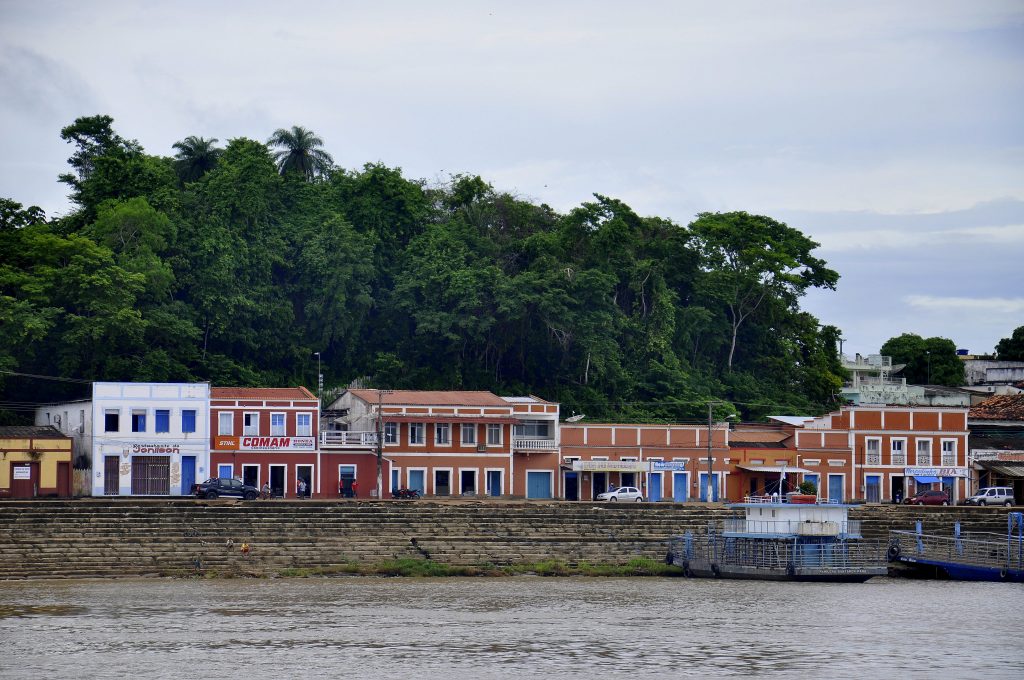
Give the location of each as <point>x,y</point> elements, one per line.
<point>733,571</point>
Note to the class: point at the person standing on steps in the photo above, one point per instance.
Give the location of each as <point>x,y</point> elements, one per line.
<point>355,489</point>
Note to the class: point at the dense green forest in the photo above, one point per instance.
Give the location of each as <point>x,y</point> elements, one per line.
<point>237,263</point>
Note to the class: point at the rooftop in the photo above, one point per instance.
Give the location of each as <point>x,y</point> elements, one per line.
<point>279,393</point>
<point>30,431</point>
<point>1000,407</point>
<point>430,398</point>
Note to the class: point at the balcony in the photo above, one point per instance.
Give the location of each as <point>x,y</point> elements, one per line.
<point>533,444</point>
<point>348,440</point>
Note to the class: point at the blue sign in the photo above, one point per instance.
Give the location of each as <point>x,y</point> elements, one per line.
<point>666,465</point>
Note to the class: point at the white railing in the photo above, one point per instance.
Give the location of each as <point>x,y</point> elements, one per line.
<point>531,444</point>
<point>792,527</point>
<point>355,440</point>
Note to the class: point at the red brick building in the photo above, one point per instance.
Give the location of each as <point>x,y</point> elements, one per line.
<point>267,435</point>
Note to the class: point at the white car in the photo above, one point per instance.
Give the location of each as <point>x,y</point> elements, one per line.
<point>623,493</point>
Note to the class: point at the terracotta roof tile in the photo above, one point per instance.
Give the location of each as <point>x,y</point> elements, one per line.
<point>1000,407</point>
<point>432,398</point>
<point>279,393</point>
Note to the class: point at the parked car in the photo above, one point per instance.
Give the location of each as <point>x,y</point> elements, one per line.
<point>216,487</point>
<point>623,493</point>
<point>928,498</point>
<point>992,495</point>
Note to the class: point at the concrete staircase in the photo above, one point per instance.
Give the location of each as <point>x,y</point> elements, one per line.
<point>135,537</point>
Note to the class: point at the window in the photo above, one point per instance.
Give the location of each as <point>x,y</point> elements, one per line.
<point>924,452</point>
<point>468,433</point>
<point>277,425</point>
<point>949,452</point>
<point>416,433</point>
<point>304,424</point>
<point>188,420</point>
<point>898,452</point>
<point>81,420</point>
<point>873,451</point>
<point>390,433</point>
<point>111,420</point>
<point>251,424</point>
<point>162,420</point>
<point>493,434</point>
<point>533,428</point>
<point>138,420</point>
<point>442,433</point>
<point>225,423</point>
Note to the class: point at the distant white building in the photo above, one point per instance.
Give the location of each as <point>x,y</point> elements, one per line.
<point>149,439</point>
<point>872,382</point>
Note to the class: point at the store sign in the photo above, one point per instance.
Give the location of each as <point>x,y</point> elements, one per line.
<point>277,444</point>
<point>22,472</point>
<point>667,465</point>
<point>610,466</point>
<point>156,448</point>
<point>935,471</point>
<point>225,442</point>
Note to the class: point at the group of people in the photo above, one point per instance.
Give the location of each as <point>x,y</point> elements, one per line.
<point>302,489</point>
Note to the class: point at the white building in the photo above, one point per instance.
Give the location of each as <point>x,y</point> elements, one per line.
<point>74,419</point>
<point>149,439</point>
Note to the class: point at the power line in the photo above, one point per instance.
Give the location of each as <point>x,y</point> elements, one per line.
<point>47,377</point>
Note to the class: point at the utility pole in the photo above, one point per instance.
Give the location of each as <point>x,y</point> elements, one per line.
<point>380,441</point>
<point>710,495</point>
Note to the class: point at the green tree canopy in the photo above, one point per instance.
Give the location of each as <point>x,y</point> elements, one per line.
<point>931,361</point>
<point>300,151</point>
<point>1012,348</point>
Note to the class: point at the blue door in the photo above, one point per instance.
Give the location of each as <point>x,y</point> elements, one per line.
<point>873,489</point>
<point>538,485</point>
<point>654,487</point>
<point>494,482</point>
<point>188,474</point>
<point>681,487</point>
<point>395,483</point>
<point>704,486</point>
<point>416,478</point>
<point>835,488</point>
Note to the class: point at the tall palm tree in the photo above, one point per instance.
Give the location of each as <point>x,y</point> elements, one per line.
<point>196,156</point>
<point>301,152</point>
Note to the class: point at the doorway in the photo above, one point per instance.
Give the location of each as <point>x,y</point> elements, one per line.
<point>64,480</point>
<point>873,488</point>
<point>704,486</point>
<point>442,482</point>
<point>600,484</point>
<point>417,481</point>
<point>277,480</point>
<point>572,486</point>
<point>835,488</point>
<point>188,474</point>
<point>251,475</point>
<point>111,475</point>
<point>654,487</point>
<point>346,478</point>
<point>24,480</point>
<point>467,482</point>
<point>305,473</point>
<point>897,492</point>
<point>680,487</point>
<point>494,482</point>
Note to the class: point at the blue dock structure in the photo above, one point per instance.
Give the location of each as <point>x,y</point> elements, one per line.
<point>963,556</point>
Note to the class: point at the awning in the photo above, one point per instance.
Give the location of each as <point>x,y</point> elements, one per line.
<point>926,480</point>
<point>773,468</point>
<point>1004,469</point>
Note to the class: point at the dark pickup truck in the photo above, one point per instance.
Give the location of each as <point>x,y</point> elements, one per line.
<point>224,486</point>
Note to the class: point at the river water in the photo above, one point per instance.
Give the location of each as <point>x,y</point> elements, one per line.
<point>454,628</point>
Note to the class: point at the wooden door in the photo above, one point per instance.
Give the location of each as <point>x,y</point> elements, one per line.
<point>24,480</point>
<point>64,480</point>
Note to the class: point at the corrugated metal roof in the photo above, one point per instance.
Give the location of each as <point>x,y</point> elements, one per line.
<point>768,436</point>
<point>30,431</point>
<point>792,420</point>
<point>277,393</point>
<point>1004,468</point>
<point>431,398</point>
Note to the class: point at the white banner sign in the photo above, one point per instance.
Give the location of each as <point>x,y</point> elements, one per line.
<point>609,466</point>
<point>22,472</point>
<point>277,444</point>
<point>935,471</point>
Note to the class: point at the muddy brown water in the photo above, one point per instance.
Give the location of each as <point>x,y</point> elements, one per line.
<point>453,628</point>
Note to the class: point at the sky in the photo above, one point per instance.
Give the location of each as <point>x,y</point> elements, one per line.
<point>891,133</point>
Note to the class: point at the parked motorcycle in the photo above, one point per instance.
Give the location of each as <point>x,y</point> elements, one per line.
<point>405,494</point>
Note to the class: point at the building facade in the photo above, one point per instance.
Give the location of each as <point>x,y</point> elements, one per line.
<point>35,461</point>
<point>149,439</point>
<point>268,436</point>
<point>73,419</point>
<point>458,443</point>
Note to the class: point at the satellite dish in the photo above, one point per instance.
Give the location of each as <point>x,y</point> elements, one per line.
<point>575,418</point>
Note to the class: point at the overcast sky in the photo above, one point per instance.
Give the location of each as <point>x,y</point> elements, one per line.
<point>890,132</point>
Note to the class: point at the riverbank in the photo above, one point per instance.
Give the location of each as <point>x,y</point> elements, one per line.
<point>104,538</point>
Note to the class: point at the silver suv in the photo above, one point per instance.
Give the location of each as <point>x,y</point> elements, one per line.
<point>992,495</point>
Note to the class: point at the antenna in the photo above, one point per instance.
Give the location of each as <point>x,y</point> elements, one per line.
<point>575,418</point>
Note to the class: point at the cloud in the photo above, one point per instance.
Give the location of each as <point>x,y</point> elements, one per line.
<point>995,305</point>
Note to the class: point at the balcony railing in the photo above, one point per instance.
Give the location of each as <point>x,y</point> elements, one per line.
<point>532,444</point>
<point>348,440</point>
<point>849,528</point>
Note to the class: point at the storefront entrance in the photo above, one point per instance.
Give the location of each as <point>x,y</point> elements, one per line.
<point>24,480</point>
<point>151,476</point>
